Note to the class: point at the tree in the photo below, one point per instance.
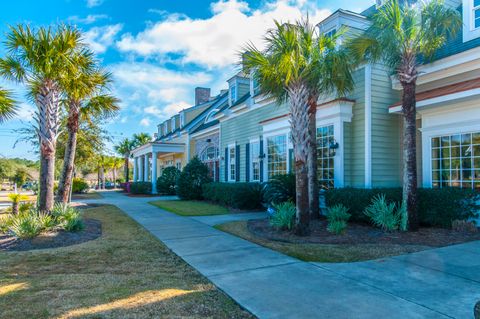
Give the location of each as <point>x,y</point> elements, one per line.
<point>115,164</point>
<point>85,102</point>
<point>16,199</point>
<point>40,58</point>
<point>403,37</point>
<point>8,108</point>
<point>141,139</point>
<point>283,70</point>
<point>21,176</point>
<point>125,148</point>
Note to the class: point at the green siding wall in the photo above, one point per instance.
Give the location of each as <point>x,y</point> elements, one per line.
<point>240,129</point>
<point>386,154</point>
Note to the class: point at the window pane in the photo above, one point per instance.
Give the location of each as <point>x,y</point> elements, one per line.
<point>277,155</point>
<point>435,142</point>
<point>325,159</point>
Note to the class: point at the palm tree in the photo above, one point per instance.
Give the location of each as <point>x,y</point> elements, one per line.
<point>125,148</point>
<point>85,102</point>
<point>41,58</point>
<point>8,108</point>
<point>140,139</point>
<point>403,37</point>
<point>115,164</point>
<point>283,72</point>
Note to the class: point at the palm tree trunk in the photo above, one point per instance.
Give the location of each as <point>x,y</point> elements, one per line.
<point>126,168</point>
<point>313,190</point>
<point>114,176</point>
<point>15,207</point>
<point>102,175</point>
<point>409,154</point>
<point>298,96</point>
<point>47,100</point>
<point>65,184</point>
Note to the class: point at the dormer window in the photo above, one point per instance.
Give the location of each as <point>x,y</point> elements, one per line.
<point>182,119</point>
<point>471,20</point>
<point>476,14</point>
<point>173,124</point>
<point>233,93</point>
<point>330,33</point>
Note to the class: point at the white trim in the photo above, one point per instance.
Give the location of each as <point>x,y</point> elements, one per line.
<point>280,132</point>
<point>250,145</point>
<point>205,132</point>
<point>229,161</point>
<point>368,126</point>
<point>159,148</point>
<point>469,30</point>
<point>441,99</point>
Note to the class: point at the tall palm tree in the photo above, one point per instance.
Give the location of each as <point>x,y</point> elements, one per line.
<point>8,108</point>
<point>283,72</point>
<point>330,74</point>
<point>140,139</point>
<point>403,37</point>
<point>125,148</point>
<point>116,163</point>
<point>85,102</point>
<point>40,58</point>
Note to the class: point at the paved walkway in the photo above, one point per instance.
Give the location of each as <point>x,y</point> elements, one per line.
<point>440,283</point>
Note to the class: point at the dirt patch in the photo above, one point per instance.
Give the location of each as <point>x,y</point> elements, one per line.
<point>363,234</point>
<point>92,230</point>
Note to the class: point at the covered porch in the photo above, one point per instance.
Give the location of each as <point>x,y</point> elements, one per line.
<point>146,166</point>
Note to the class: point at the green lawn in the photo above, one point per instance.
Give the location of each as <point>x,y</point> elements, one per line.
<point>320,252</point>
<point>190,208</point>
<point>126,273</point>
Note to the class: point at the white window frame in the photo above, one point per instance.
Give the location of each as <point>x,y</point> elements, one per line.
<point>284,132</point>
<point>469,30</point>
<point>173,124</point>
<point>178,164</point>
<point>230,164</point>
<point>253,142</point>
<point>233,93</point>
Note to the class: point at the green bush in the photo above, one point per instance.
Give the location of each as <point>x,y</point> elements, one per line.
<point>141,188</point>
<point>6,220</point>
<point>79,185</point>
<point>436,206</point>
<point>192,179</point>
<point>167,182</point>
<point>67,217</point>
<point>235,195</point>
<point>337,217</point>
<point>280,189</point>
<point>383,214</point>
<point>26,226</point>
<point>284,216</point>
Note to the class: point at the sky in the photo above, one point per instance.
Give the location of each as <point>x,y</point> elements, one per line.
<point>158,51</point>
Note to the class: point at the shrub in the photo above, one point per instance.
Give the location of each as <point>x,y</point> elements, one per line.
<point>26,225</point>
<point>284,217</point>
<point>141,188</point>
<point>279,189</point>
<point>47,221</point>
<point>191,180</point>
<point>383,214</point>
<point>436,206</point>
<point>5,222</point>
<point>67,217</point>
<point>337,217</point>
<point>79,185</point>
<point>464,226</point>
<point>236,195</point>
<point>167,182</point>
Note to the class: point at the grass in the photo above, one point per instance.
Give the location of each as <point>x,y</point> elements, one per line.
<point>89,195</point>
<point>320,252</point>
<point>126,273</point>
<point>190,208</point>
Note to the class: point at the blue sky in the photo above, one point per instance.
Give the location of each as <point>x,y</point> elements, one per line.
<point>157,50</point>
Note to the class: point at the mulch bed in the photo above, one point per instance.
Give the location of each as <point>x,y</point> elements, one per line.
<point>92,230</point>
<point>363,234</point>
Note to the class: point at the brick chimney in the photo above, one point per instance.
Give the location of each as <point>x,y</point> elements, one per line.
<point>202,95</point>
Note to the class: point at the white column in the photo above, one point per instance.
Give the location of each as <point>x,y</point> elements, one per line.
<point>154,172</point>
<point>140,169</point>
<point>145,168</point>
<point>135,169</point>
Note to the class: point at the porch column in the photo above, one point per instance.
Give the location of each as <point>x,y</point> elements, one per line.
<point>140,169</point>
<point>135,173</point>
<point>154,172</point>
<point>145,168</point>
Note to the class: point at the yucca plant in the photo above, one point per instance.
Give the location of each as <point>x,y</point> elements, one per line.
<point>26,226</point>
<point>284,216</point>
<point>386,215</point>
<point>67,217</point>
<point>337,217</point>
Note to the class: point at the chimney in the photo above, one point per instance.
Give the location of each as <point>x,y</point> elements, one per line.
<point>202,95</point>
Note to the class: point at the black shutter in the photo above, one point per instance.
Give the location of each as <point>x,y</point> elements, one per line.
<point>226,164</point>
<point>262,155</point>
<point>237,163</point>
<point>291,161</point>
<point>247,162</point>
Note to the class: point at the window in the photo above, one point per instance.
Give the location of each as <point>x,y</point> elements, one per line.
<point>456,160</point>
<point>256,86</point>
<point>330,33</point>
<point>476,14</point>
<point>325,160</point>
<point>231,163</point>
<point>173,124</point>
<point>182,119</point>
<point>209,154</point>
<point>233,93</point>
<point>255,160</point>
<point>277,155</point>
<point>471,17</point>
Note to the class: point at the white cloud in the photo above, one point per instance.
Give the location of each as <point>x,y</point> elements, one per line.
<point>145,122</point>
<point>94,3</point>
<point>215,41</point>
<point>26,112</point>
<point>100,38</point>
<point>167,111</point>
<point>89,19</point>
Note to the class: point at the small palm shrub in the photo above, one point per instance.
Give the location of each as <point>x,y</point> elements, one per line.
<point>385,215</point>
<point>67,217</point>
<point>16,199</point>
<point>337,217</point>
<point>46,221</point>
<point>6,221</point>
<point>79,185</point>
<point>280,189</point>
<point>190,182</point>
<point>26,226</point>
<point>284,216</point>
<point>167,182</point>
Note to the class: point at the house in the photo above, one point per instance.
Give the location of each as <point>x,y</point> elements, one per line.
<point>243,135</point>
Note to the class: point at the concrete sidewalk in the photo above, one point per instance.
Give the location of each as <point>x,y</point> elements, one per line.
<point>440,283</point>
